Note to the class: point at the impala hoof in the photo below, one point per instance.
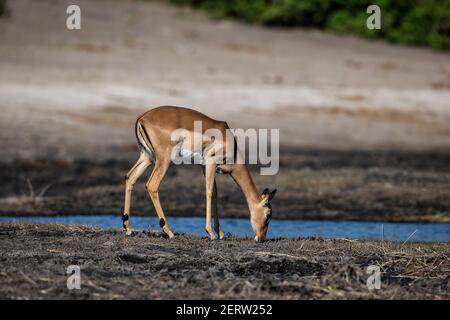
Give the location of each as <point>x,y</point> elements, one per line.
<point>211,234</point>
<point>168,233</point>
<point>220,234</point>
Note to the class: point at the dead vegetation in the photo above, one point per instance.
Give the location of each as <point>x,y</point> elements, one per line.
<point>34,259</point>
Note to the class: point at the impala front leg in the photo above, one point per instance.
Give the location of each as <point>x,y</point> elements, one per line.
<point>217,227</point>
<point>210,170</point>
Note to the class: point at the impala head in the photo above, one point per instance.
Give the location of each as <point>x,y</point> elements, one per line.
<point>261,215</point>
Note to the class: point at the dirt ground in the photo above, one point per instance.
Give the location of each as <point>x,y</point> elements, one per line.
<point>34,259</point>
<point>76,94</point>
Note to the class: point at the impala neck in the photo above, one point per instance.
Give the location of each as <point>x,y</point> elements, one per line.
<point>243,178</point>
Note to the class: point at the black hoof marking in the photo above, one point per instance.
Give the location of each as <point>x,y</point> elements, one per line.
<point>125,217</point>
<point>162,222</point>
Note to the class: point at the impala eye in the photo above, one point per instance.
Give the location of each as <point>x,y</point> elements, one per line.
<point>267,205</point>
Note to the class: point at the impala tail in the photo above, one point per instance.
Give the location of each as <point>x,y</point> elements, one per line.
<point>144,140</point>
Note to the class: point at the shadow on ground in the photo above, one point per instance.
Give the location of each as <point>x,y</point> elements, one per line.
<point>312,183</point>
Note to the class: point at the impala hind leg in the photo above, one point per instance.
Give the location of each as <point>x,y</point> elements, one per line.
<point>152,187</point>
<point>130,179</point>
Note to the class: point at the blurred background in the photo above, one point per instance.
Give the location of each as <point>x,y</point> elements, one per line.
<point>364,115</point>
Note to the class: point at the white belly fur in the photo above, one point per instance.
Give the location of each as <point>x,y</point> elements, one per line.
<point>191,157</point>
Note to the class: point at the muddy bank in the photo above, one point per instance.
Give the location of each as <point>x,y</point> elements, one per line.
<point>313,184</point>
<point>34,259</point>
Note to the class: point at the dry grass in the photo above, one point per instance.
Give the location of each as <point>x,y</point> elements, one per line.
<point>146,265</point>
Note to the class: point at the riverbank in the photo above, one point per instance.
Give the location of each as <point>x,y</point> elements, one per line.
<point>34,259</point>
<point>313,184</point>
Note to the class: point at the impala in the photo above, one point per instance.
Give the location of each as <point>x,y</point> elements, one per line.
<point>158,144</point>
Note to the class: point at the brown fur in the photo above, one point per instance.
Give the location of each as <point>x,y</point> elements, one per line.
<point>156,137</point>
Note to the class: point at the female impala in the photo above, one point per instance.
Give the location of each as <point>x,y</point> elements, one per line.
<point>154,132</point>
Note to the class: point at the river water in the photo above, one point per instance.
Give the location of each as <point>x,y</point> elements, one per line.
<point>278,228</point>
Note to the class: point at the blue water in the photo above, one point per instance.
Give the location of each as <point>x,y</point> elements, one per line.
<point>278,228</point>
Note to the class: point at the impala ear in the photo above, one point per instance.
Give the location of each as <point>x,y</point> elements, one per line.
<point>272,194</point>
<point>268,195</point>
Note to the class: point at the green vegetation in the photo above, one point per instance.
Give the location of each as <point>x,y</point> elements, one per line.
<point>416,22</point>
